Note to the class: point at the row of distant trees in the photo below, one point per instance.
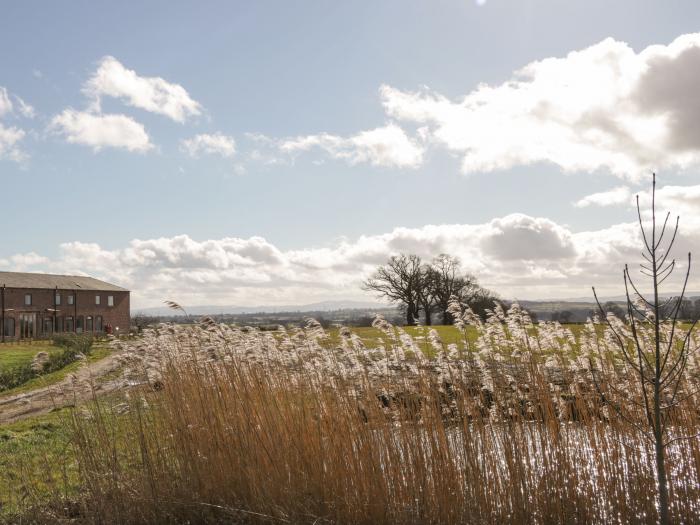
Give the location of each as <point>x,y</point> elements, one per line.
<point>423,289</point>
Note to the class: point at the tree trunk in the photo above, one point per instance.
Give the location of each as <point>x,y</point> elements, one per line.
<point>428,316</point>
<point>447,318</point>
<point>658,429</point>
<point>664,518</point>
<point>410,314</point>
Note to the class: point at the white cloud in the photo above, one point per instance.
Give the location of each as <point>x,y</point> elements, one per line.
<point>388,146</point>
<point>5,102</point>
<point>522,237</point>
<point>613,197</point>
<point>26,110</point>
<point>24,261</point>
<point>216,144</point>
<point>11,136</point>
<point>683,201</point>
<point>603,107</point>
<point>7,107</point>
<point>516,255</point>
<point>9,143</point>
<point>100,131</point>
<point>152,94</point>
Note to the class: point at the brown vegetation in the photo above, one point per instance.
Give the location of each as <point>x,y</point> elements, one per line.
<point>243,426</point>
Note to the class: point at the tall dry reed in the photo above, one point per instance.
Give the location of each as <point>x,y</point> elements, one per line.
<point>237,425</point>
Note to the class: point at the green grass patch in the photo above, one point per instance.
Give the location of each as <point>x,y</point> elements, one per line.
<point>52,378</point>
<point>66,349</point>
<point>13,355</point>
<point>36,461</point>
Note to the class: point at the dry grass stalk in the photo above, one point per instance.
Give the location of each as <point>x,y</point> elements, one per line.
<point>244,426</point>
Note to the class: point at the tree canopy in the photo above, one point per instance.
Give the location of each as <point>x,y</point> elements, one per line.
<point>426,288</point>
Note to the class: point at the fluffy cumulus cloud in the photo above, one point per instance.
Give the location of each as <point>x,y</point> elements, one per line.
<point>11,136</point>
<point>154,94</point>
<point>682,201</point>
<point>517,255</point>
<point>24,261</point>
<point>603,107</point>
<point>99,131</point>
<point>387,146</point>
<point>204,144</point>
<point>613,197</point>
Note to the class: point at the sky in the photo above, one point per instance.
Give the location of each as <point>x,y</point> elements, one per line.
<point>266,153</point>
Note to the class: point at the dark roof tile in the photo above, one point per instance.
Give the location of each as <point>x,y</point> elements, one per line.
<point>50,281</point>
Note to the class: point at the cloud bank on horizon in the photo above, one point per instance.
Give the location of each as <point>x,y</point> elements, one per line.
<point>517,255</point>
<point>602,108</point>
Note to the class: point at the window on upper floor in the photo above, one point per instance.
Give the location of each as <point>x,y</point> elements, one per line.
<point>110,300</point>
<point>97,299</point>
<point>71,299</point>
<point>58,299</point>
<point>27,299</point>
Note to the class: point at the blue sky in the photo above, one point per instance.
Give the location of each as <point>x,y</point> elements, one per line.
<point>280,94</point>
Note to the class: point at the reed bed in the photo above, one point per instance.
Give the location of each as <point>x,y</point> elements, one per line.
<point>522,425</point>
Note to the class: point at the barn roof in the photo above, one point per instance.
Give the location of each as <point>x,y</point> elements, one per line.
<point>51,281</point>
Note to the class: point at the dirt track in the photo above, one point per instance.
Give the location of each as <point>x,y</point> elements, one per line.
<point>75,388</point>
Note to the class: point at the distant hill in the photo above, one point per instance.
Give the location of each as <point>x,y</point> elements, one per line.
<point>324,306</point>
<point>579,309</point>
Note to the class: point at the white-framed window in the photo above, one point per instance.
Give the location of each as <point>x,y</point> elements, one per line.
<point>71,299</point>
<point>27,299</point>
<point>97,299</point>
<point>58,299</point>
<point>110,300</point>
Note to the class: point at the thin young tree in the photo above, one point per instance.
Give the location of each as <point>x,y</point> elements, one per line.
<point>654,346</point>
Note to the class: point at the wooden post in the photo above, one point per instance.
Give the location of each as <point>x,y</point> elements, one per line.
<point>3,313</point>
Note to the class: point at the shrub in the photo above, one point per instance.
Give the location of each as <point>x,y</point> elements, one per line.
<point>81,343</point>
<point>73,346</point>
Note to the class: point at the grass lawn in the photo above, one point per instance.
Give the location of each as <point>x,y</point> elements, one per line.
<point>98,352</point>
<point>16,354</point>
<point>38,460</point>
<point>35,460</point>
<point>371,337</point>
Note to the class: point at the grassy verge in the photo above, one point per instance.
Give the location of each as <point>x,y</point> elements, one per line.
<point>52,378</point>
<point>36,462</point>
<point>66,349</point>
<point>13,355</point>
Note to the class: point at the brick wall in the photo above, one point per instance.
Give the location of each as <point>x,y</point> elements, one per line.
<point>42,301</point>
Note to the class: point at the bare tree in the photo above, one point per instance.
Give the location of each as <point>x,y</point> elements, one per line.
<point>400,281</point>
<point>428,287</point>
<point>615,309</point>
<point>448,281</point>
<point>427,299</point>
<point>658,362</point>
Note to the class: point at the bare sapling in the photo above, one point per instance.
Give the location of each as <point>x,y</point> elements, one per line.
<point>654,348</point>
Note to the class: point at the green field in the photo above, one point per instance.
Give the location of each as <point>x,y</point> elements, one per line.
<point>372,337</point>
<point>59,375</point>
<point>35,460</point>
<point>16,354</point>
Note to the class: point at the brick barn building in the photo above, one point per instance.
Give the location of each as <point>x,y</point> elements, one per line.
<point>37,305</point>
